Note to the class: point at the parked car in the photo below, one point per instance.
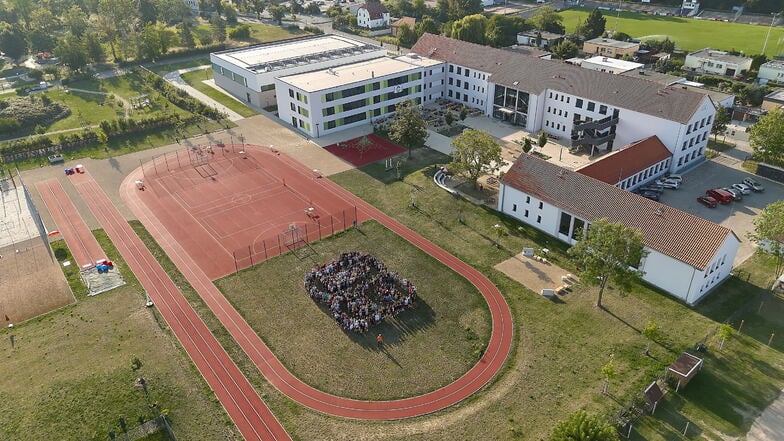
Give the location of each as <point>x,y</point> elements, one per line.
<point>653,188</point>
<point>756,186</point>
<point>743,188</point>
<point>707,201</point>
<point>652,195</point>
<point>675,177</point>
<point>672,185</point>
<point>737,195</point>
<point>720,195</point>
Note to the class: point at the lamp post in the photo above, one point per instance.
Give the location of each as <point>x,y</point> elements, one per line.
<point>317,130</point>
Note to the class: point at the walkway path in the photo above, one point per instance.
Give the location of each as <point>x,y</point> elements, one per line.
<point>278,375</point>
<point>80,240</point>
<point>242,403</point>
<point>175,79</point>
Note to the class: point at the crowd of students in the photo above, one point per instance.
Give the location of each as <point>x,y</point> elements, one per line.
<point>359,290</point>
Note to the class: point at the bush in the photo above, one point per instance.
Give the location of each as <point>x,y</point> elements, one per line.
<point>8,124</point>
<point>35,74</point>
<point>313,29</point>
<point>240,32</point>
<point>33,110</point>
<point>178,97</point>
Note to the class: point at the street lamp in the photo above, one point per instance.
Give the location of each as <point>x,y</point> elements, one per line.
<point>317,130</point>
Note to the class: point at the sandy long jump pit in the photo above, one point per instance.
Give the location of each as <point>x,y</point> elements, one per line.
<point>230,206</point>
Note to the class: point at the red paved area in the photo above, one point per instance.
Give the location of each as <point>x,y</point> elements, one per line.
<point>353,152</point>
<point>233,210</point>
<point>244,406</point>
<point>276,373</point>
<point>80,240</point>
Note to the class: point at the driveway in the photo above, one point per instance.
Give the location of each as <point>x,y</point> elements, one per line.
<point>739,216</point>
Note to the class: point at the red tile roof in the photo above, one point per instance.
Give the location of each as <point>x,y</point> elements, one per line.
<point>675,233</point>
<point>534,75</point>
<point>627,161</point>
<point>375,9</point>
<point>410,21</point>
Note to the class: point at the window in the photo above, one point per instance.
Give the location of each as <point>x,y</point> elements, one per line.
<point>538,219</point>
<point>514,207</point>
<point>567,100</point>
<point>465,85</point>
<point>450,81</point>
<point>291,93</point>
<point>541,205</point>
<point>688,129</point>
<point>293,107</point>
<point>451,68</point>
<point>467,72</point>
<point>449,93</point>
<point>459,70</point>
<point>603,110</point>
<point>526,213</point>
<point>528,199</point>
<point>579,103</point>
<point>591,106</point>
<point>565,224</point>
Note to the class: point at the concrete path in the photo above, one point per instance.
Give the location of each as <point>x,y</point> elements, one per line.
<point>175,79</point>
<point>769,426</point>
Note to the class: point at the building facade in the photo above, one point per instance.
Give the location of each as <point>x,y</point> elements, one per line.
<point>609,65</point>
<point>607,47</point>
<point>688,256</point>
<point>540,39</point>
<point>716,62</point>
<point>372,15</point>
<point>772,71</point>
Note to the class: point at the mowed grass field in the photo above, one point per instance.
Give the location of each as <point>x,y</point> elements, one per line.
<point>687,33</point>
<point>424,348</point>
<point>197,78</point>
<point>70,373</point>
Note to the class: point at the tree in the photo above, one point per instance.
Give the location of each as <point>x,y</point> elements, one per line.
<point>72,52</point>
<point>767,137</point>
<point>186,36</point>
<point>608,372</point>
<point>757,61</point>
<point>312,9</point>
<point>277,12</point>
<point>407,37</point>
<point>650,332</point>
<point>502,30</point>
<point>546,19</point>
<point>409,128</point>
<point>230,12</point>
<point>257,6</point>
<point>427,25</point>
<point>12,41</point>
<point>725,333</point>
<point>218,26</point>
<point>527,145</point>
<point>75,20</point>
<point>542,140</point>
<point>620,36</point>
<point>92,42</point>
<point>594,25</point>
<point>470,28</point>
<point>449,118</point>
<point>582,427</point>
<point>418,9</point>
<point>720,122</point>
<point>476,154</point>
<point>565,50</point>
<point>609,251</point>
<point>768,232</point>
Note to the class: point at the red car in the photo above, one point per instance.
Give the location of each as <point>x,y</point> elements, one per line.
<point>707,201</point>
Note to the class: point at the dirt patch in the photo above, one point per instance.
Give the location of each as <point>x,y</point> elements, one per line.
<point>533,274</point>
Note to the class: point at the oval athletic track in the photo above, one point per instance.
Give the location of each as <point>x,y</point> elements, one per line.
<point>278,375</point>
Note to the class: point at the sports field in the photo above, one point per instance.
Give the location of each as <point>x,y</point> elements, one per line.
<point>688,34</point>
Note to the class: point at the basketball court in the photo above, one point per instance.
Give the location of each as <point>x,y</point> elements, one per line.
<point>231,206</point>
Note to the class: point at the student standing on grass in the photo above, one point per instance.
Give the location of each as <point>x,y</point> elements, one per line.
<point>380,340</point>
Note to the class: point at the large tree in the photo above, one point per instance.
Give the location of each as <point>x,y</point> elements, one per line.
<point>12,41</point>
<point>409,128</point>
<point>565,50</point>
<point>277,12</point>
<point>767,137</point>
<point>72,52</point>
<point>594,25</point>
<point>470,28</point>
<point>502,30</point>
<point>476,154</point>
<point>427,25</point>
<point>546,19</point>
<point>583,427</point>
<point>609,251</point>
<point>769,232</point>
<point>720,121</point>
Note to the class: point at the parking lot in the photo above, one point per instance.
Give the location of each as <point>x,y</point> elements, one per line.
<point>738,215</point>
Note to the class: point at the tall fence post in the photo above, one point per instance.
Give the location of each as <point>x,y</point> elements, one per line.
<point>264,242</point>
<point>250,253</point>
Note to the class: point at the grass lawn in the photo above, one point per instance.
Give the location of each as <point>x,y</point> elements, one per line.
<point>425,348</point>
<point>196,79</point>
<point>259,32</point>
<point>688,34</point>
<point>70,372</point>
<point>163,67</point>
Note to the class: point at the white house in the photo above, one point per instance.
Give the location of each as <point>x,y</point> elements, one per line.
<point>249,73</point>
<point>610,65</point>
<point>631,166</point>
<point>688,255</point>
<point>690,8</point>
<point>716,62</point>
<point>540,39</point>
<point>585,108</point>
<point>372,15</point>
<point>772,71</point>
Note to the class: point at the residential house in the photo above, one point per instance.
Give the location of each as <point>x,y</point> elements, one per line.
<point>608,47</point>
<point>540,39</point>
<point>688,256</point>
<point>372,15</point>
<point>611,65</point>
<point>715,62</point>
<point>408,21</point>
<point>771,71</point>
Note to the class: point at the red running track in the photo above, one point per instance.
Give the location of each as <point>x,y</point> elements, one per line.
<point>276,373</point>
<point>80,240</point>
<point>244,406</point>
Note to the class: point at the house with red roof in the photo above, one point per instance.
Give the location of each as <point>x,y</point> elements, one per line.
<point>688,255</point>
<point>372,15</point>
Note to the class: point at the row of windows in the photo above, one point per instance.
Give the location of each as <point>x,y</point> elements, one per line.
<point>560,97</point>
<point>301,110</point>
<point>699,124</point>
<point>688,158</point>
<point>643,176</point>
<point>464,97</point>
<point>554,125</point>
<point>301,97</point>
<point>560,112</point>
<point>694,139</point>
<point>361,116</point>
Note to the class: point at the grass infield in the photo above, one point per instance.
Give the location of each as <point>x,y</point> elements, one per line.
<point>424,348</point>
<point>687,33</point>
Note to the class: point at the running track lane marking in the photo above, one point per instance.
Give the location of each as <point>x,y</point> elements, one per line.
<point>273,370</point>
<point>80,240</point>
<point>243,405</point>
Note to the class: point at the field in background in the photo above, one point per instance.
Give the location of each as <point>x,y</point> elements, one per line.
<point>687,33</point>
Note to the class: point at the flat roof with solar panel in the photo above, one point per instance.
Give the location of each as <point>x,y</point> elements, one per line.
<point>295,52</point>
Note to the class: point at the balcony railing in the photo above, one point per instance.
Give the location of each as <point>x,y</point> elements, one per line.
<point>599,124</point>
<point>590,139</point>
